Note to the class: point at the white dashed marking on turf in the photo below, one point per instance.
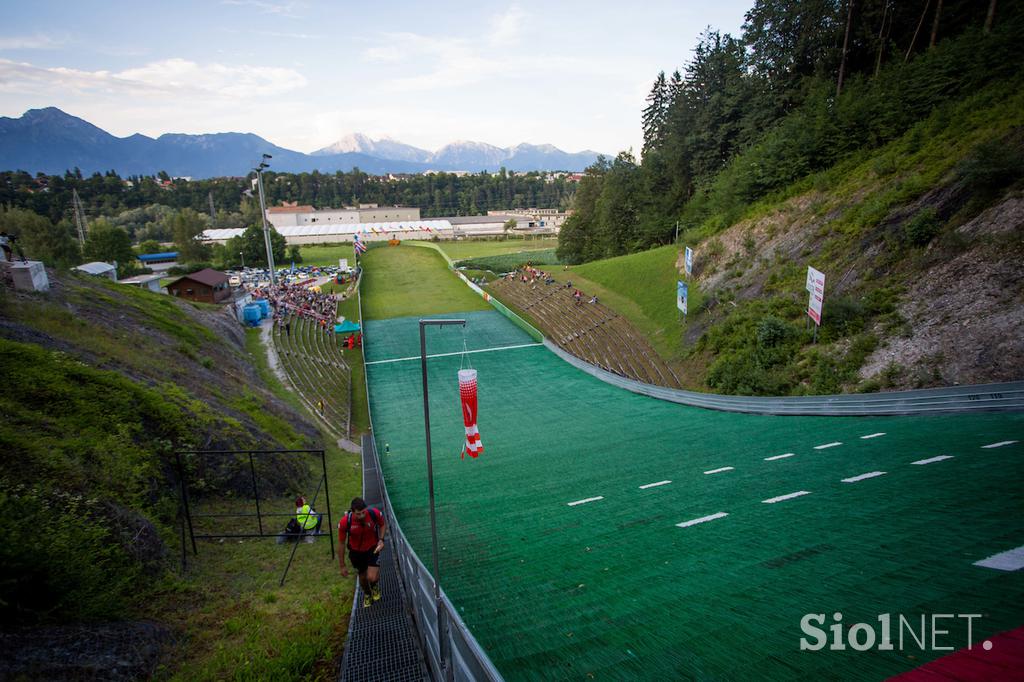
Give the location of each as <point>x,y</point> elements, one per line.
<point>461,352</point>
<point>718,471</point>
<point>694,522</point>
<point>827,445</point>
<point>1011,560</point>
<point>998,445</point>
<point>933,459</point>
<point>780,498</point>
<point>589,499</point>
<point>870,474</point>
<point>872,435</point>
<point>788,454</point>
<point>654,485</point>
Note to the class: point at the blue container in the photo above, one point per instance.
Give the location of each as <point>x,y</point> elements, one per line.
<point>264,305</point>
<point>252,314</point>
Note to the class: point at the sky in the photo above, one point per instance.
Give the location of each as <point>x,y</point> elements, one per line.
<point>303,74</point>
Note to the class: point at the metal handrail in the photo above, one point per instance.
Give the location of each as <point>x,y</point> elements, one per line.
<point>1002,397</point>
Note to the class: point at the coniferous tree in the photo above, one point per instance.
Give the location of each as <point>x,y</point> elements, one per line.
<point>653,118</point>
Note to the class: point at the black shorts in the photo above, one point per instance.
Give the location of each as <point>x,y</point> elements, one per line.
<point>363,560</point>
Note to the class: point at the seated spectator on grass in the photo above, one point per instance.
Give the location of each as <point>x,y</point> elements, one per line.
<point>309,520</point>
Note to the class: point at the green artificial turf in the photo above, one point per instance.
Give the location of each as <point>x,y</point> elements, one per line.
<point>614,588</point>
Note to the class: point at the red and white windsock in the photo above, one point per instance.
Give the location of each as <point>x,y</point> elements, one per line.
<point>467,390</point>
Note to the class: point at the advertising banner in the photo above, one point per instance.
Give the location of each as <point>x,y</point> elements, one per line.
<point>681,295</point>
<point>816,288</point>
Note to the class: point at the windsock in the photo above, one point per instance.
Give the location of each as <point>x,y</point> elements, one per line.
<point>467,390</point>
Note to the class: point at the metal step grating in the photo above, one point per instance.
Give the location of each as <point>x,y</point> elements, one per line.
<point>382,642</point>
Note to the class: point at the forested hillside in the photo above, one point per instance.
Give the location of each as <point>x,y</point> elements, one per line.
<point>807,85</point>
<point>895,166</point>
<point>122,199</point>
<point>146,211</point>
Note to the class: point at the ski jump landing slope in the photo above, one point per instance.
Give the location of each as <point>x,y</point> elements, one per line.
<point>609,535</point>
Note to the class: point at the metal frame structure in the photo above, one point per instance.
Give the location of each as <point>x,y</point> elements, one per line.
<point>443,655</point>
<point>186,506</point>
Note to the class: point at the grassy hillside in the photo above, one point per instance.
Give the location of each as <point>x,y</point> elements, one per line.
<point>642,287</point>
<point>877,225</point>
<point>392,271</point>
<point>104,384</point>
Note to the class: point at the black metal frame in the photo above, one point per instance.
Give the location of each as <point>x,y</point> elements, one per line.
<point>186,507</point>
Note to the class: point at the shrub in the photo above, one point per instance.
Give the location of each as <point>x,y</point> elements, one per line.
<point>992,166</point>
<point>71,567</point>
<point>841,316</point>
<point>771,332</point>
<point>920,229</point>
<point>510,261</point>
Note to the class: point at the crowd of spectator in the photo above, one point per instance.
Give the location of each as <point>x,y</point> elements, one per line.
<point>531,275</point>
<point>295,299</point>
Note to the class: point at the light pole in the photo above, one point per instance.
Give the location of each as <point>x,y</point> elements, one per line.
<point>442,641</point>
<point>263,214</point>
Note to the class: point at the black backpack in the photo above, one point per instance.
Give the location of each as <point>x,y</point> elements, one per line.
<point>376,526</point>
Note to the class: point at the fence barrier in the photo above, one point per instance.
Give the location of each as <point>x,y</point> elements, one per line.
<point>464,659</point>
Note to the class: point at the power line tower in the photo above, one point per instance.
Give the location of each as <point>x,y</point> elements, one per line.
<point>83,227</point>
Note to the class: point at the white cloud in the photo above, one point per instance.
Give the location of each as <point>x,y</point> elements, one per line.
<point>284,9</point>
<point>167,78</point>
<point>385,54</point>
<point>35,42</point>
<point>507,27</point>
<point>231,81</point>
<point>290,36</point>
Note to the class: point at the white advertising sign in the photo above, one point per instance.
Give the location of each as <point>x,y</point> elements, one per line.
<point>689,260</point>
<point>816,287</point>
<point>343,263</point>
<point>681,295</point>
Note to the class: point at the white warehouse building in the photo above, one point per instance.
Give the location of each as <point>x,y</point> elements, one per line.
<point>293,215</point>
<point>324,233</point>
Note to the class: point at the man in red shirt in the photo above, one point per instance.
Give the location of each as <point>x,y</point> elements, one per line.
<point>362,531</point>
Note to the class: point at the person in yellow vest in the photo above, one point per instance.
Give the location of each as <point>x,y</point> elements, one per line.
<point>309,520</point>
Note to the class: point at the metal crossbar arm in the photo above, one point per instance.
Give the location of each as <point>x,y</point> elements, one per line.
<point>238,535</point>
<point>228,515</point>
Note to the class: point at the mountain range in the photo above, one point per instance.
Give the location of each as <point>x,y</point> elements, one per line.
<point>52,141</point>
